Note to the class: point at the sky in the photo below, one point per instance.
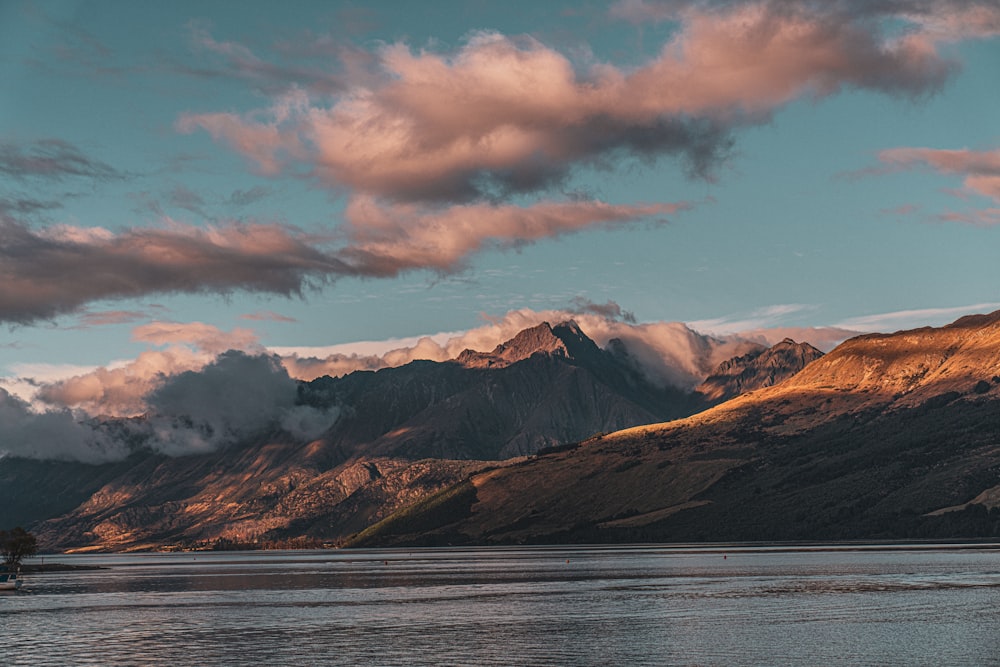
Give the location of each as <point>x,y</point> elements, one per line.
<point>331,181</point>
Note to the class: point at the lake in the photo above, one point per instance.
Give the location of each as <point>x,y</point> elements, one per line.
<point>620,605</point>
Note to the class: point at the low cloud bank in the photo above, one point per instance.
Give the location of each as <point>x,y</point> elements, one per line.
<point>233,397</point>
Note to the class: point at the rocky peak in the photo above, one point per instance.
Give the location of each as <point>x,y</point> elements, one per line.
<point>534,340</point>
<point>761,368</point>
<point>565,339</point>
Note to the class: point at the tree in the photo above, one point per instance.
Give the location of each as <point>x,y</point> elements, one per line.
<point>16,545</point>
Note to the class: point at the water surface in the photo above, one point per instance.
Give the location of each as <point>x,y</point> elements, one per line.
<point>514,606</point>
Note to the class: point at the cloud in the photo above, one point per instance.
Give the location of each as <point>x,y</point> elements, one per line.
<point>211,404</point>
<point>980,169</point>
<point>52,272</point>
<point>942,20</point>
<point>108,317</point>
<point>986,217</point>
<point>248,197</point>
<point>57,270</point>
<point>822,338</point>
<point>22,205</point>
<point>386,240</point>
<point>766,317</point>
<point>183,197</point>
<point>235,397</point>
<point>204,337</point>
<point>235,60</point>
<point>51,435</point>
<point>506,115</point>
<point>267,316</point>
<point>121,389</point>
<point>52,159</point>
<point>608,310</point>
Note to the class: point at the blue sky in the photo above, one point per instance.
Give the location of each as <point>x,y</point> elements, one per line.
<point>322,173</point>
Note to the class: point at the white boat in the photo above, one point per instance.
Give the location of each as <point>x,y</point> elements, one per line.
<point>9,579</point>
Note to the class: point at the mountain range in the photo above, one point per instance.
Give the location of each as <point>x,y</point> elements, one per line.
<point>550,438</point>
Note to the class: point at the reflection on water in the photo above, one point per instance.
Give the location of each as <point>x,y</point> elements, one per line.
<point>503,606</point>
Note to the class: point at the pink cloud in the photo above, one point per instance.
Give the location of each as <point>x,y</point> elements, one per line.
<point>987,217</point>
<point>504,115</point>
<point>57,270</point>
<point>387,239</point>
<point>122,389</point>
<point>198,335</point>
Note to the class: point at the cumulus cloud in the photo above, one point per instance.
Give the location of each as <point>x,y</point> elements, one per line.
<point>121,389</point>
<point>201,336</point>
<point>432,147</point>
<point>189,402</point>
<point>51,435</point>
<point>504,115</point>
<point>234,397</point>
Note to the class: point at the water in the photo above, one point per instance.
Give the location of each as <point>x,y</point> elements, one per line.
<point>514,606</point>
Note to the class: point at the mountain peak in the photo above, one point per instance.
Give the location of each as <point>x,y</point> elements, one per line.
<point>565,339</point>
<point>761,368</point>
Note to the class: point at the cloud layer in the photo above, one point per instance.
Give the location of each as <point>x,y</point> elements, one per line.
<point>444,154</point>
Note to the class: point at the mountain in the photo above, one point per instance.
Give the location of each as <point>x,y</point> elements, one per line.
<point>403,434</point>
<point>546,386</point>
<point>760,368</point>
<point>886,437</point>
